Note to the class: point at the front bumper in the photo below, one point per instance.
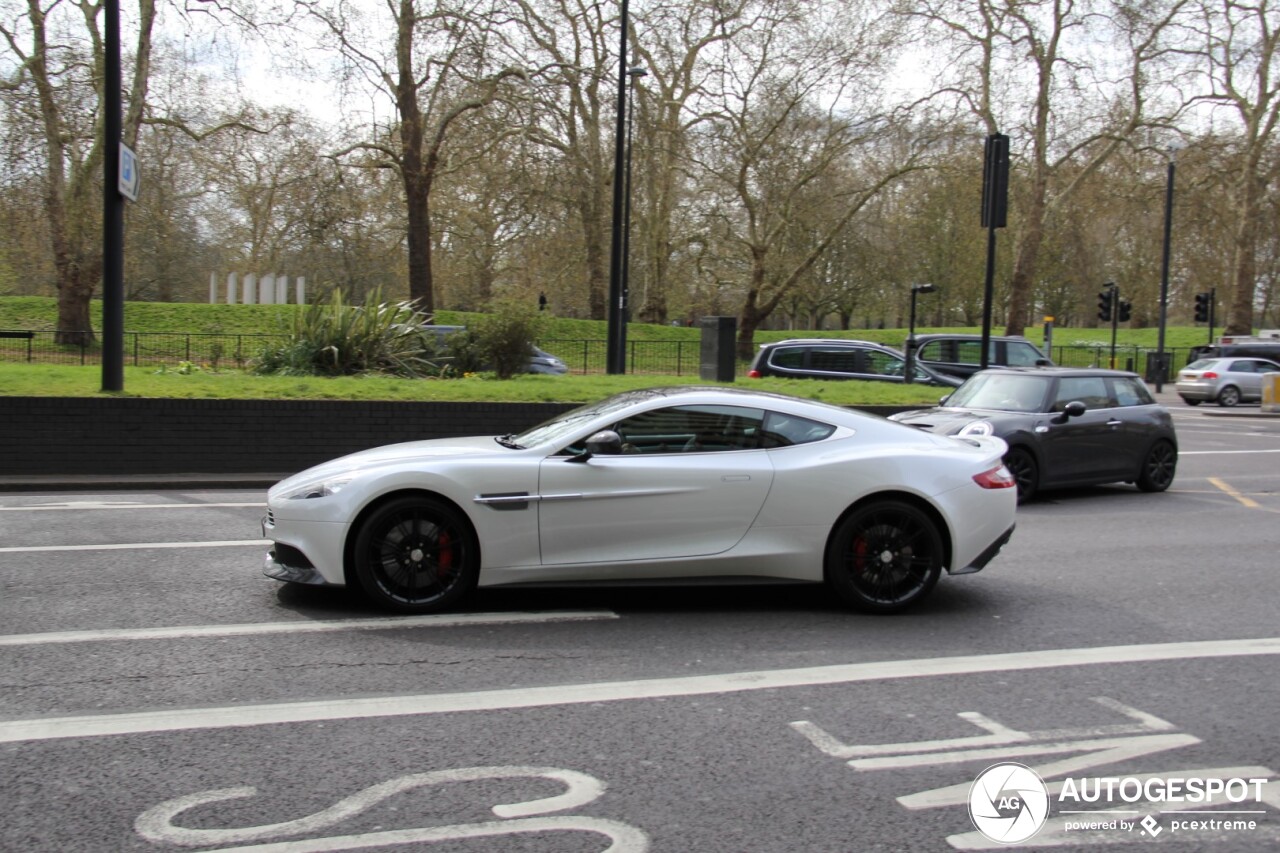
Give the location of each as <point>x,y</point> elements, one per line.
<point>293,547</point>
<point>980,561</point>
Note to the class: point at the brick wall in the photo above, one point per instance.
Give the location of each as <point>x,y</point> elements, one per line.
<point>56,435</point>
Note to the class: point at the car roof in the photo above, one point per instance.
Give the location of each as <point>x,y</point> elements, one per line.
<point>1057,371</point>
<point>965,337</point>
<point>826,342</point>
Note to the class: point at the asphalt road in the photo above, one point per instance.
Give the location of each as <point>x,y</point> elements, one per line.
<point>160,694</point>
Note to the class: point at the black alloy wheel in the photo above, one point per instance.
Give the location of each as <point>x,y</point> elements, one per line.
<point>1022,465</point>
<point>884,557</point>
<point>1159,467</point>
<point>416,555</point>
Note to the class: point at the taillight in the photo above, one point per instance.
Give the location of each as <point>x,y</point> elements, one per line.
<point>753,374</point>
<point>1208,374</point>
<point>998,477</point>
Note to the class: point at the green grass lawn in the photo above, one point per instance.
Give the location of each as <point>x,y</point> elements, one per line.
<point>45,380</point>
<point>40,313</point>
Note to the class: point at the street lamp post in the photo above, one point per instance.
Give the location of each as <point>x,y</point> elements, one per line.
<point>1164,268</point>
<point>635,72</point>
<point>616,345</point>
<point>916,289</point>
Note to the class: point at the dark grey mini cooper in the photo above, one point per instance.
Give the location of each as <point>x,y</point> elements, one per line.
<point>1064,426</point>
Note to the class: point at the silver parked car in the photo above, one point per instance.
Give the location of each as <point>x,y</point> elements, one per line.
<point>1227,380</point>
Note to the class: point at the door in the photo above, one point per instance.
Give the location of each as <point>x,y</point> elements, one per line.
<point>1088,448</point>
<point>690,482</point>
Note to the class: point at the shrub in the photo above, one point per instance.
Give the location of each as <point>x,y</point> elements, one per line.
<point>334,338</point>
<point>505,337</point>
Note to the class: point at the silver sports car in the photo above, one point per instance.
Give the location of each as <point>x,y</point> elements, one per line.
<point>671,485</point>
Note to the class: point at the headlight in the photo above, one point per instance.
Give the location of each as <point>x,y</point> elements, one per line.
<point>977,428</point>
<point>322,489</point>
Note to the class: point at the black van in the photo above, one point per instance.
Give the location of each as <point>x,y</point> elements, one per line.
<point>1250,349</point>
<point>961,355</point>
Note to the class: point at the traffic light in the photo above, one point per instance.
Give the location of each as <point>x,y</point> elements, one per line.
<point>1126,308</point>
<point>1204,303</point>
<point>1106,298</point>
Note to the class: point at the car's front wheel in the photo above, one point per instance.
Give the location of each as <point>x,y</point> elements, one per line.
<point>1158,468</point>
<point>884,556</point>
<point>1022,465</point>
<point>416,555</point>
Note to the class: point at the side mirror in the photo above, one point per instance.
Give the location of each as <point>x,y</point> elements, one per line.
<point>942,401</point>
<point>1074,409</point>
<point>604,443</point>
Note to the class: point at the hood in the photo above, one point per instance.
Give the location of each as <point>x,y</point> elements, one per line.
<point>941,420</point>
<point>409,451</point>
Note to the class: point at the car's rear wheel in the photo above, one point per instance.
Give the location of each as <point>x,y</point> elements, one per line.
<point>1022,465</point>
<point>416,555</point>
<point>1191,402</point>
<point>884,556</point>
<point>1229,396</point>
<point>1159,467</point>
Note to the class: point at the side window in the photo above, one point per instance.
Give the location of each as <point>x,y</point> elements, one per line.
<point>1021,354</point>
<point>1240,367</point>
<point>883,364</point>
<point>1131,392</point>
<point>969,352</point>
<point>692,429</point>
<point>786,430</point>
<point>1090,390</point>
<point>932,351</point>
<point>834,360</point>
<point>791,358</point>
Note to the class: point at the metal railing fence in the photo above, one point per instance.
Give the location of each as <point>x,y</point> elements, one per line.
<point>659,357</point>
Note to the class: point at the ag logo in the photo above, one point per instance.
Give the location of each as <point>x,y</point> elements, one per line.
<point>1008,803</point>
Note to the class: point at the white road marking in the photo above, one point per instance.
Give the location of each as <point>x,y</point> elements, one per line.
<point>439,620</point>
<point>1223,452</point>
<point>184,719</point>
<point>141,546</point>
<point>79,505</point>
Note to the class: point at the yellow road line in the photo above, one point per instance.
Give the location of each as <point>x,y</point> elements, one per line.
<point>1229,489</point>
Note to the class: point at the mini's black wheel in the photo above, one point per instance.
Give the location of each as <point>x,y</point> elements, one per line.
<point>1158,468</point>
<point>1022,465</point>
<point>884,557</point>
<point>416,555</point>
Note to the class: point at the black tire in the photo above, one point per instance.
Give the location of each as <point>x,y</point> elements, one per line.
<point>1022,465</point>
<point>1158,468</point>
<point>1229,396</point>
<point>1192,402</point>
<point>416,555</point>
<point>884,557</point>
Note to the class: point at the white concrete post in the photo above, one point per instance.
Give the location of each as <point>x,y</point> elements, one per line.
<point>282,289</point>
<point>267,289</point>
<point>231,288</point>
<point>250,288</point>
<point>213,287</point>
<point>300,290</point>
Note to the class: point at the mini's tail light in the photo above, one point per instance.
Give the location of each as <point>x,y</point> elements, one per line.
<point>998,477</point>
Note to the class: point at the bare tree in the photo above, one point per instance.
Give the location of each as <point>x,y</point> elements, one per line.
<point>433,61</point>
<point>1236,45</point>
<point>1068,80</point>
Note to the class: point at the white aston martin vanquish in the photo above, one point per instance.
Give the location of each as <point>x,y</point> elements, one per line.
<point>676,484</point>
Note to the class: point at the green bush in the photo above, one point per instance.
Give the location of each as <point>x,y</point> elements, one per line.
<point>334,338</point>
<point>505,337</point>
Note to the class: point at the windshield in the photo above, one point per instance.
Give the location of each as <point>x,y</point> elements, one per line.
<point>566,426</point>
<point>1002,391</point>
